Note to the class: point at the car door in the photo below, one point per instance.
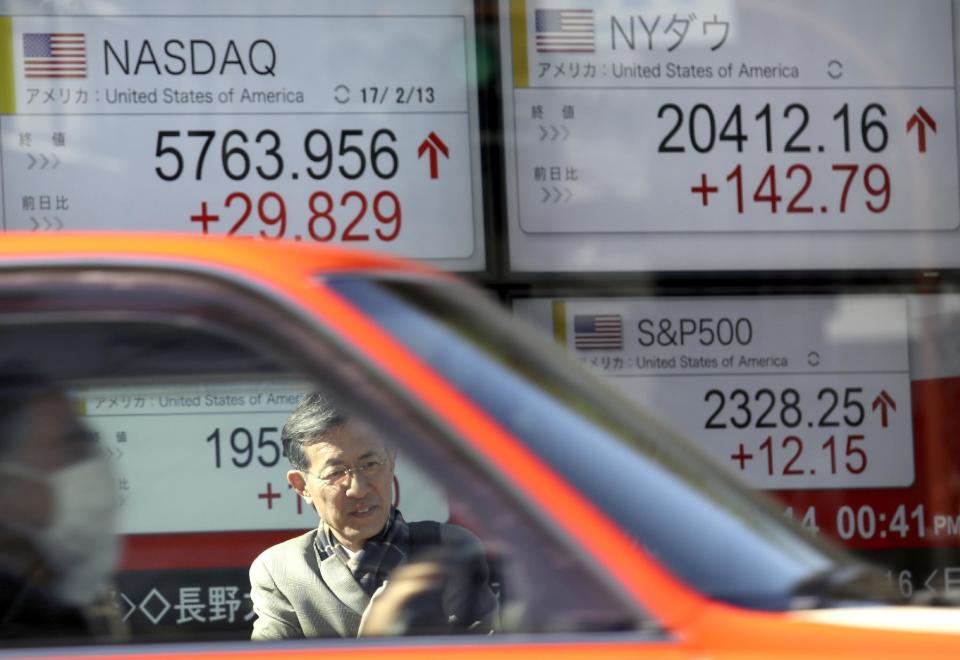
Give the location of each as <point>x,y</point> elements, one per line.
<point>180,381</point>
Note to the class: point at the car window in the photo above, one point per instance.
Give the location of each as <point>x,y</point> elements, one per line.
<point>144,472</point>
<point>626,463</point>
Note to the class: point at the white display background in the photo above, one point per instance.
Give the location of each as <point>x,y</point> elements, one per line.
<point>82,153</point>
<point>590,190</point>
<point>835,355</point>
<point>166,468</point>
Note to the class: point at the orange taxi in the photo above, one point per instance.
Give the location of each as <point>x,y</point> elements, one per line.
<point>609,537</point>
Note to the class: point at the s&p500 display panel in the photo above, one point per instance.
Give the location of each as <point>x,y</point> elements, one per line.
<point>842,406</point>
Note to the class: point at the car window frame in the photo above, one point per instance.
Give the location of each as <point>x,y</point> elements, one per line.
<point>322,353</point>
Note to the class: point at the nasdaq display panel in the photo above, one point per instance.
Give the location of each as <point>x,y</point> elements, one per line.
<point>317,122</point>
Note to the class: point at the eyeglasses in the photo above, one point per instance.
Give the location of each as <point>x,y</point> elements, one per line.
<point>370,468</point>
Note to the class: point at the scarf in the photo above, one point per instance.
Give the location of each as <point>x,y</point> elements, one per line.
<point>378,557</point>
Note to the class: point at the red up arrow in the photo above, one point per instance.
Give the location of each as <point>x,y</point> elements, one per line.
<point>433,144</point>
<point>884,401</point>
<point>921,120</point>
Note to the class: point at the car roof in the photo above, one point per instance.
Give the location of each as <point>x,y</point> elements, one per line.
<point>166,250</point>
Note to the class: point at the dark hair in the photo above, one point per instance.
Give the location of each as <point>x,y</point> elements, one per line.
<point>312,419</point>
<point>19,384</point>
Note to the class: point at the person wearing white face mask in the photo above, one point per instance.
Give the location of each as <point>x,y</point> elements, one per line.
<point>58,507</point>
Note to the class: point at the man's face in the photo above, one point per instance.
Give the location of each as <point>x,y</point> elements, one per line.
<point>357,509</point>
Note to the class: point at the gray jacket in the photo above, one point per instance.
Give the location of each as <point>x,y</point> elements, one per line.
<point>295,594</point>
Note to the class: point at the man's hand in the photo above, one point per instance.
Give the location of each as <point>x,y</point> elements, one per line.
<point>410,602</point>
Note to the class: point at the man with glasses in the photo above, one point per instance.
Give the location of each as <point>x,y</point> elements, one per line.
<point>332,581</point>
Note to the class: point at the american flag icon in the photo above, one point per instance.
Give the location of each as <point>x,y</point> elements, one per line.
<point>596,332</point>
<point>55,55</point>
<point>564,30</point>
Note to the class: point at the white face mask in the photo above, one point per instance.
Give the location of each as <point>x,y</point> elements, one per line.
<point>81,542</point>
